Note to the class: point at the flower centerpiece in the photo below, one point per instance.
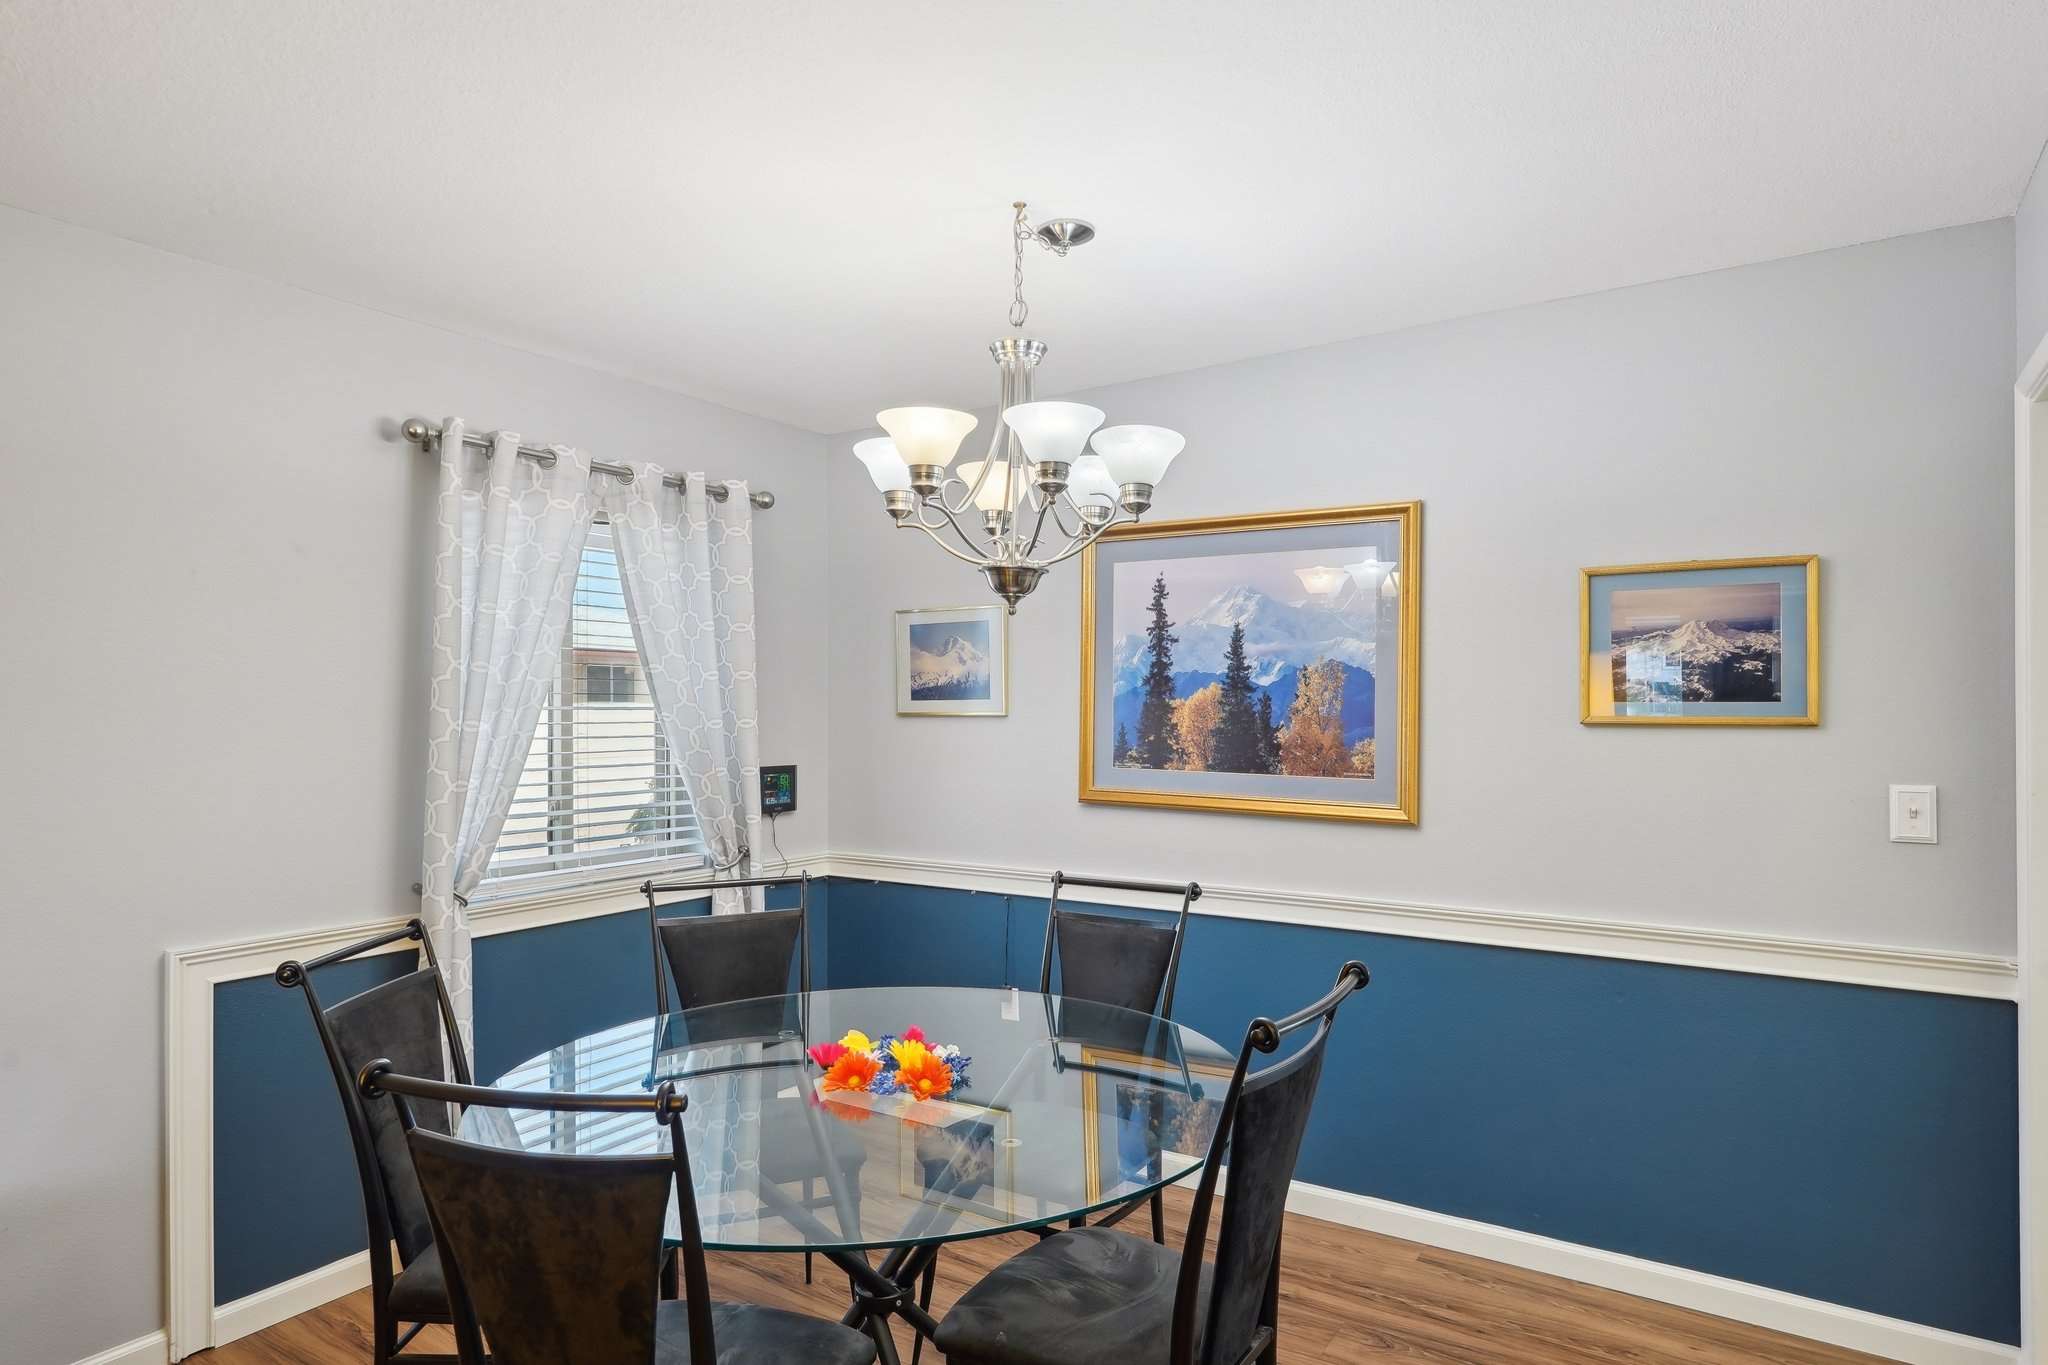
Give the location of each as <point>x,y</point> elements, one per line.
<point>907,1063</point>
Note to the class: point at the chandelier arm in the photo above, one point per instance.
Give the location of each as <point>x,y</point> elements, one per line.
<point>1060,502</point>
<point>1038,528</point>
<point>1070,551</point>
<point>968,497</point>
<point>975,559</point>
<point>980,555</point>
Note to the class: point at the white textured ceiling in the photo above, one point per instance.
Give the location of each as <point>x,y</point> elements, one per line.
<point>800,209</point>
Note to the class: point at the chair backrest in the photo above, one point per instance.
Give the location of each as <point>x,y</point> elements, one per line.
<point>409,1020</point>
<point>718,959</point>
<point>1115,959</point>
<point>1260,1128</point>
<point>557,1257</point>
<point>554,1257</point>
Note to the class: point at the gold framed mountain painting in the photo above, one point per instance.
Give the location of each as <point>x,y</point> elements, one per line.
<point>1701,642</point>
<point>1265,664</point>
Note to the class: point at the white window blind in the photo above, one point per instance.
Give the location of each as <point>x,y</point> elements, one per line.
<point>599,787</point>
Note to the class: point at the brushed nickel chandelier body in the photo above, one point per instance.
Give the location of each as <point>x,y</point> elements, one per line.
<point>1054,478</point>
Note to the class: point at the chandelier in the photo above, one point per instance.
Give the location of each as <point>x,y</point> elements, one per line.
<point>1054,478</point>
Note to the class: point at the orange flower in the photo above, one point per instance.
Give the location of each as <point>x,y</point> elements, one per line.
<point>920,1073</point>
<point>852,1071</point>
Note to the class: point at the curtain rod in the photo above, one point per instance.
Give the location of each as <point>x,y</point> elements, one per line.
<point>423,434</point>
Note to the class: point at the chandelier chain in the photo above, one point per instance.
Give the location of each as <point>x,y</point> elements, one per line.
<point>1020,233</point>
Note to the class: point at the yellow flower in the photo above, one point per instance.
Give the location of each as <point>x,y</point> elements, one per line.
<point>906,1049</point>
<point>857,1041</point>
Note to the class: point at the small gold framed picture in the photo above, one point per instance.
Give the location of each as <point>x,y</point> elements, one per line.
<point>1701,642</point>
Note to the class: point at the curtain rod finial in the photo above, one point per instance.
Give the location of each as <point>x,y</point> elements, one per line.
<point>416,430</point>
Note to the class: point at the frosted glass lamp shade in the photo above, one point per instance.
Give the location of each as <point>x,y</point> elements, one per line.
<point>1323,580</point>
<point>1137,454</point>
<point>1053,433</point>
<point>991,497</point>
<point>885,466</point>
<point>1366,572</point>
<point>1088,483</point>
<point>926,435</point>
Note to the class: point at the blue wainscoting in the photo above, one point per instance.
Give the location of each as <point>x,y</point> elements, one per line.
<point>1849,1144</point>
<point>286,1197</point>
<point>1844,1143</point>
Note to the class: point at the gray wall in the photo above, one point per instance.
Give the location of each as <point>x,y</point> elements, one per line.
<point>1851,404</point>
<point>216,570</point>
<point>2030,252</point>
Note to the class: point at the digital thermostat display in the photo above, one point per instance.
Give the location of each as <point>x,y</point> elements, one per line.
<point>778,789</point>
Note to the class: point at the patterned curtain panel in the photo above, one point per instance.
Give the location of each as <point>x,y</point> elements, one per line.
<point>686,564</point>
<point>511,537</point>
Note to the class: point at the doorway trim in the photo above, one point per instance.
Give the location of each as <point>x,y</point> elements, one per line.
<point>2030,753</point>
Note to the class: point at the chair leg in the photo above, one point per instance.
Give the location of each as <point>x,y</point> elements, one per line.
<point>1269,1310</point>
<point>671,1273</point>
<point>384,1332</point>
<point>1159,1217</point>
<point>807,1267</point>
<point>924,1301</point>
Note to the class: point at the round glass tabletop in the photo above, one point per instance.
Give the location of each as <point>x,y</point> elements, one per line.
<point>1022,1110</point>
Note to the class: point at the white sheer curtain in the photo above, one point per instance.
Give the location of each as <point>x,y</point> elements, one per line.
<point>511,538</point>
<point>686,566</point>
<point>686,563</point>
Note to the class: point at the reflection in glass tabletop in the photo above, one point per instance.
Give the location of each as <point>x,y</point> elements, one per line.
<point>1066,1107</point>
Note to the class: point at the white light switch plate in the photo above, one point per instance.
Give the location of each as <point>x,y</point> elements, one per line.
<point>1913,813</point>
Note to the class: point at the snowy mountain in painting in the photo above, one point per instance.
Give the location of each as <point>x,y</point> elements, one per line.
<point>1699,661</point>
<point>955,669</point>
<point>1278,636</point>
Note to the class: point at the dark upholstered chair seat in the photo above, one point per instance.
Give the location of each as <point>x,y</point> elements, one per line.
<point>1091,1296</point>
<point>748,1334</point>
<point>421,1291</point>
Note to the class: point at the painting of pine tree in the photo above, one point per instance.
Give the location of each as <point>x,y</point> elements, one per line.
<point>1250,681</point>
<point>1260,663</point>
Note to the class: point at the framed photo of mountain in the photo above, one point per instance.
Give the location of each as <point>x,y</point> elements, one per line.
<point>1265,664</point>
<point>953,661</point>
<point>1701,642</point>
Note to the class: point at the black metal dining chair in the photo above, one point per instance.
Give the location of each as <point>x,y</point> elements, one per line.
<point>1118,960</point>
<point>411,1021</point>
<point>725,960</point>
<point>556,1258</point>
<point>718,959</point>
<point>1096,1296</point>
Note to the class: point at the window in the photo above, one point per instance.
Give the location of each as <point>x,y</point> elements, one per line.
<point>598,787</point>
<point>608,683</point>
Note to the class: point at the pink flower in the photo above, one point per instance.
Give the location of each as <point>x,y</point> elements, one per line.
<point>913,1034</point>
<point>824,1054</point>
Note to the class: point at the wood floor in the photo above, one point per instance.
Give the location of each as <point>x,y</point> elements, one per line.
<point>1347,1296</point>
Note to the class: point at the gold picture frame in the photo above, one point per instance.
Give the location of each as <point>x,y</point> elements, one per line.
<point>1798,574</point>
<point>1404,805</point>
<point>1219,1071</point>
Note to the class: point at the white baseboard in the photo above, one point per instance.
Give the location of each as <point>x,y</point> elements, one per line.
<point>154,1349</point>
<point>1814,1319</point>
<point>300,1294</point>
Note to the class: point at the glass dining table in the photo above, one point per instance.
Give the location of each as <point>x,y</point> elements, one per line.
<point>1018,1111</point>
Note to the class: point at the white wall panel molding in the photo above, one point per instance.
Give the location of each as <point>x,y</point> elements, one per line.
<point>1910,969</point>
<point>190,976</point>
